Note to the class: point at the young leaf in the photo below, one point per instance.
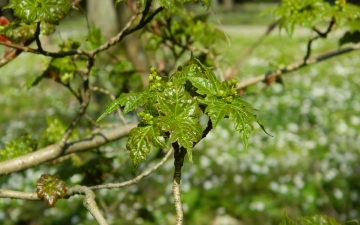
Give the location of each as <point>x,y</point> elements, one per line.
<point>287,221</point>
<point>318,220</point>
<point>180,117</point>
<point>209,74</point>
<point>184,131</point>
<point>33,11</point>
<point>204,86</point>
<point>242,123</point>
<point>18,32</point>
<point>184,73</point>
<point>216,110</point>
<point>130,100</point>
<point>50,188</point>
<point>139,142</point>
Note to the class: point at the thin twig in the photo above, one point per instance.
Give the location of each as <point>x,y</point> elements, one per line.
<point>136,179</point>
<point>319,35</point>
<point>296,66</point>
<point>126,31</point>
<point>37,37</point>
<point>46,53</point>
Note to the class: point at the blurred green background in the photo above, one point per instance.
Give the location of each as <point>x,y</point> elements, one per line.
<point>310,166</point>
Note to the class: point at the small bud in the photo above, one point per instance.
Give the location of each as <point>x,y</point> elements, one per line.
<point>233,80</point>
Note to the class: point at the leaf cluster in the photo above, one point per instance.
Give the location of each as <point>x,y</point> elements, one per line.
<point>17,147</point>
<point>34,11</point>
<point>309,13</point>
<point>172,107</point>
<point>18,31</point>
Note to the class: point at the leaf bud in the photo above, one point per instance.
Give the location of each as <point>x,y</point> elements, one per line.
<point>233,80</point>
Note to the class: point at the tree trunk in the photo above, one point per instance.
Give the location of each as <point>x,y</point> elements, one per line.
<point>229,5</point>
<point>103,15</point>
<point>133,46</point>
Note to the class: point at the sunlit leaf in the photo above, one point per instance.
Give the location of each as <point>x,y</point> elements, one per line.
<point>180,117</point>
<point>18,31</point>
<point>33,11</point>
<point>140,140</point>
<point>129,100</point>
<point>203,85</point>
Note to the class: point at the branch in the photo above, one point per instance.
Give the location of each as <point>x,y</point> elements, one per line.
<point>89,202</point>
<point>319,35</point>
<point>46,53</point>
<point>18,195</point>
<point>179,156</point>
<point>296,66</point>
<point>37,37</point>
<point>51,152</point>
<point>136,179</point>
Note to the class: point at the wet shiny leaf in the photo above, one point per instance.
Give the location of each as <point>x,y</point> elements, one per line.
<point>50,188</point>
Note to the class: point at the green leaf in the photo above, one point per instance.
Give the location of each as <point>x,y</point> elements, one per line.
<point>318,220</point>
<point>33,11</point>
<point>18,31</point>
<point>139,142</point>
<point>287,221</point>
<point>94,38</point>
<point>50,188</point>
<point>243,124</point>
<point>216,110</point>
<point>168,4</point>
<point>209,74</point>
<point>184,73</point>
<point>130,100</point>
<point>203,85</point>
<point>17,147</point>
<point>184,131</point>
<point>238,111</point>
<point>180,117</point>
